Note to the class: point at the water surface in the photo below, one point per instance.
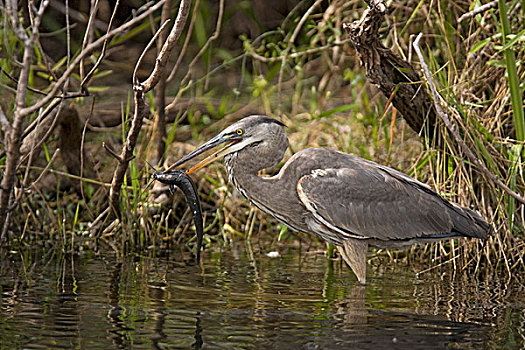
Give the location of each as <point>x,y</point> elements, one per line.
<point>238,301</point>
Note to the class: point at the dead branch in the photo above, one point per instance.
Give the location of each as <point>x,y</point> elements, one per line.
<point>111,151</point>
<point>88,77</point>
<point>14,139</point>
<point>444,117</point>
<point>478,10</point>
<point>212,38</point>
<point>46,169</point>
<point>159,119</point>
<point>146,10</point>
<point>171,41</point>
<point>391,74</point>
<point>52,99</point>
<point>186,42</point>
<point>87,35</point>
<point>139,89</point>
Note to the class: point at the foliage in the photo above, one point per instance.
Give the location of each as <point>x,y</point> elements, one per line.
<point>321,93</point>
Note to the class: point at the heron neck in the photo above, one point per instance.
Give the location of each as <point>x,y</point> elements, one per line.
<point>266,193</point>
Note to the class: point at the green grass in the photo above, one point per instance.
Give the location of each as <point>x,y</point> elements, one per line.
<point>326,101</point>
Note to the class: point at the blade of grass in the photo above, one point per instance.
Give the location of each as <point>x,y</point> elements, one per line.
<point>514,156</point>
<point>411,17</point>
<point>512,74</point>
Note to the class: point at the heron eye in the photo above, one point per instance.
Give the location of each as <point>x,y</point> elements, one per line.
<point>239,132</point>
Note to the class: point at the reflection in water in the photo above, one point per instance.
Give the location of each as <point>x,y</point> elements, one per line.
<point>116,314</point>
<point>243,299</point>
<point>198,338</point>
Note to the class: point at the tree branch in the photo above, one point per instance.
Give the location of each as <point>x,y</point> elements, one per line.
<point>147,9</point>
<point>391,74</point>
<point>14,140</point>
<point>139,89</point>
<point>171,41</point>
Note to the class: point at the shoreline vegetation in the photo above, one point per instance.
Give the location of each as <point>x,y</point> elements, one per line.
<point>90,98</point>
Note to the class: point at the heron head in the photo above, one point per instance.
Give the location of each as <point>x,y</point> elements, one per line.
<point>247,131</point>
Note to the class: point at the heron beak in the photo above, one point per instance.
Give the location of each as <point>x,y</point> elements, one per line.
<point>214,142</point>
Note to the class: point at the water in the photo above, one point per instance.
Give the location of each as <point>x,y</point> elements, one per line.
<point>298,300</point>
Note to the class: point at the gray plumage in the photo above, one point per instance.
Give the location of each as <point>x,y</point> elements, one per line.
<point>347,200</point>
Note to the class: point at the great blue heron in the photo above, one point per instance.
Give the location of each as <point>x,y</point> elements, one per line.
<point>350,202</point>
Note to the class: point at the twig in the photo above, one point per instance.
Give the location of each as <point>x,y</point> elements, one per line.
<point>87,35</point>
<point>477,10</point>
<point>111,151</point>
<point>57,151</point>
<point>102,53</point>
<point>149,8</point>
<point>68,42</point>
<point>146,49</point>
<point>159,120</point>
<point>39,137</point>
<point>12,11</point>
<point>93,226</point>
<point>171,41</point>
<point>81,184</point>
<point>212,38</point>
<point>289,46</point>
<point>35,142</point>
<point>72,176</point>
<point>444,117</point>
<point>14,140</point>
<point>139,89</point>
<point>186,42</point>
<point>13,79</point>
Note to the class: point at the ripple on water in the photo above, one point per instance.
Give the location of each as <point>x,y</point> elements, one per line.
<point>289,302</point>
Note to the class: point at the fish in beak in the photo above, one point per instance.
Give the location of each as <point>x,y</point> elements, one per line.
<point>227,140</point>
<point>230,142</point>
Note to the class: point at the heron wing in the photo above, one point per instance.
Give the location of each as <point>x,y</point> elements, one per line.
<point>373,202</point>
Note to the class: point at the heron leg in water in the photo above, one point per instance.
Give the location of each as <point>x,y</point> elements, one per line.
<point>354,252</point>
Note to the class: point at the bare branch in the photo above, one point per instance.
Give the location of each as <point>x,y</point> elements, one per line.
<point>111,151</point>
<point>46,168</point>
<point>102,53</point>
<point>478,10</point>
<point>139,90</point>
<point>11,7</point>
<point>146,49</point>
<point>444,117</point>
<point>186,42</point>
<point>149,8</point>
<point>171,41</point>
<point>13,79</point>
<point>87,36</point>
<point>212,38</point>
<point>14,139</point>
<point>158,134</point>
